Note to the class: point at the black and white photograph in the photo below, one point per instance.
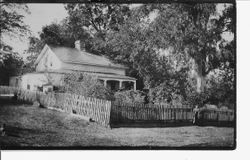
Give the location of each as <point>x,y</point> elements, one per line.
<point>125,75</point>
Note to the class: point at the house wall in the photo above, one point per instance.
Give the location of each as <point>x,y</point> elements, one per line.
<point>49,61</point>
<point>32,81</point>
<point>35,80</point>
<point>90,68</point>
<point>15,81</point>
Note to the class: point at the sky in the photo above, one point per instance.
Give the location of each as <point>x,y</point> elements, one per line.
<point>44,14</point>
<point>40,15</point>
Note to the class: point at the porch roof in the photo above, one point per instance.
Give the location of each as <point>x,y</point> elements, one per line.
<point>108,76</point>
<point>114,76</point>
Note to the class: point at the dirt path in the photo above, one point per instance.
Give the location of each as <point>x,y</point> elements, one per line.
<point>31,126</point>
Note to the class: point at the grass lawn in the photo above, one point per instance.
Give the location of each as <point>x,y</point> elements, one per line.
<point>35,127</point>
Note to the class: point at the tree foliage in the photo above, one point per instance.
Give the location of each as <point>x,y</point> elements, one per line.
<point>190,30</point>
<point>10,66</point>
<point>191,33</point>
<point>35,47</point>
<point>11,21</point>
<point>11,24</point>
<point>98,18</point>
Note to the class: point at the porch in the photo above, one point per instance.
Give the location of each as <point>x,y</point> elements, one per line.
<point>115,85</point>
<point>117,82</point>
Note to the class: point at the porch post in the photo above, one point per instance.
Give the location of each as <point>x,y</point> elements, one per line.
<point>134,85</point>
<point>120,84</point>
<point>105,82</point>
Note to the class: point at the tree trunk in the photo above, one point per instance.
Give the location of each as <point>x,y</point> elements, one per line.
<point>197,74</point>
<point>200,79</point>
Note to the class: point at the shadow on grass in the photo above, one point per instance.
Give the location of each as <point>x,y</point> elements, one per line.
<point>216,124</point>
<point>11,101</point>
<point>162,124</point>
<point>19,131</point>
<point>149,124</point>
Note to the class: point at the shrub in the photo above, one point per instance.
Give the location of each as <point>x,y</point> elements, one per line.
<point>86,85</point>
<point>130,96</point>
<point>219,93</point>
<point>167,92</point>
<point>194,98</point>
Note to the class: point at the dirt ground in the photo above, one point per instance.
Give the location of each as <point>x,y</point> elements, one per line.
<point>29,126</point>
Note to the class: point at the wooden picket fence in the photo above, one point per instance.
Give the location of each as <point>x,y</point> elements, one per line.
<point>133,113</point>
<point>216,115</point>
<point>106,112</point>
<point>96,109</point>
<point>122,113</point>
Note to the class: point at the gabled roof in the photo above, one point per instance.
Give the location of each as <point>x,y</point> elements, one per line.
<point>72,55</point>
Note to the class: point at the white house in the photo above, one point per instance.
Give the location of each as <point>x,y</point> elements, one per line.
<point>53,62</point>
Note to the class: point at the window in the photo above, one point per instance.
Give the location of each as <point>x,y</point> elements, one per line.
<point>50,64</point>
<point>28,86</point>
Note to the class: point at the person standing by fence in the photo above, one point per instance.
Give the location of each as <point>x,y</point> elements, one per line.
<point>196,113</point>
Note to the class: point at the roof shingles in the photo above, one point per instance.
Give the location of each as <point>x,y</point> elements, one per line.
<point>72,55</point>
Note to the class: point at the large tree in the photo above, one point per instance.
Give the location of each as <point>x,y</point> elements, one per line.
<point>182,38</point>
<point>11,24</point>
<point>97,20</point>
<point>193,30</point>
<point>134,45</point>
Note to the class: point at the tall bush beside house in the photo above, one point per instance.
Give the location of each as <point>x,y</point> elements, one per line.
<point>86,85</point>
